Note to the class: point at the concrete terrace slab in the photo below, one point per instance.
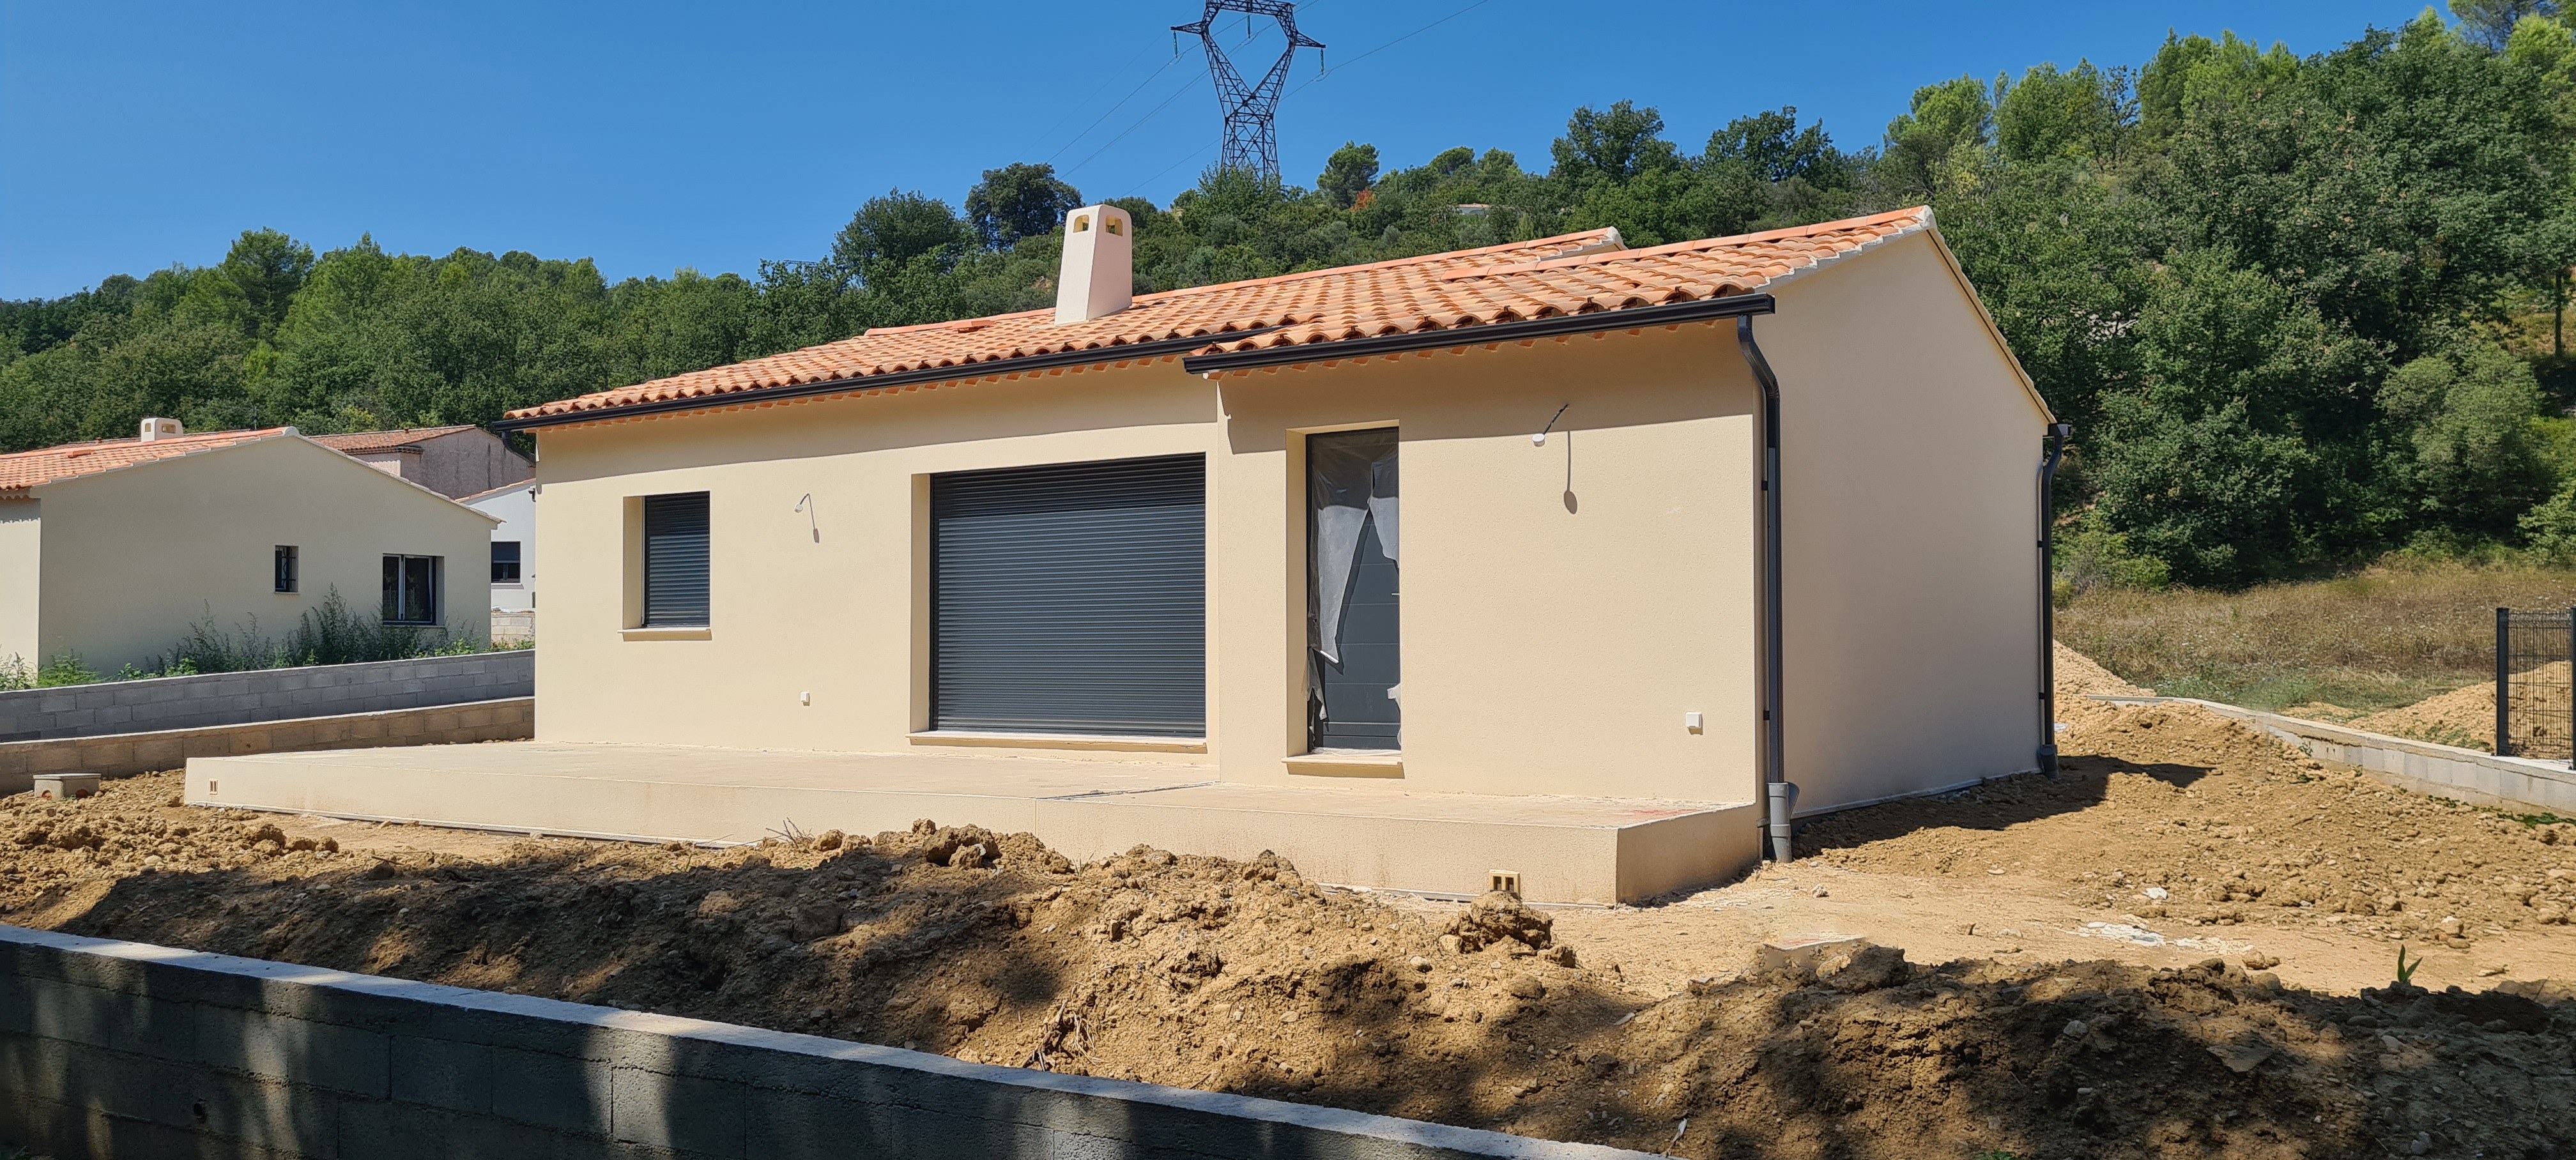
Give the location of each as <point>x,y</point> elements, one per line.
<point>1566,849</point>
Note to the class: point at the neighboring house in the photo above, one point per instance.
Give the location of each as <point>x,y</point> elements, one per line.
<point>112,549</point>
<point>1170,529</point>
<point>453,461</point>
<point>514,556</point>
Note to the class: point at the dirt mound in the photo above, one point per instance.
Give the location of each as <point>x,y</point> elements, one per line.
<point>2079,680</point>
<point>2466,717</point>
<point>2173,811</point>
<point>1243,976</point>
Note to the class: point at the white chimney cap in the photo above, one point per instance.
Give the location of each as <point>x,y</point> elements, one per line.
<point>1099,274</point>
<point>162,429</point>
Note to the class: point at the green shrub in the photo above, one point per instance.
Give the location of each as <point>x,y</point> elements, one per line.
<point>65,669</point>
<point>330,634</point>
<point>15,675</point>
<point>2092,558</point>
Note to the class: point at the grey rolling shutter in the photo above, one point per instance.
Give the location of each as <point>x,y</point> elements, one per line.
<point>675,559</point>
<point>1071,598</point>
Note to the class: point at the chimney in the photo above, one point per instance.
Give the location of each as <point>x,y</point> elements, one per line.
<point>1099,274</point>
<point>162,429</point>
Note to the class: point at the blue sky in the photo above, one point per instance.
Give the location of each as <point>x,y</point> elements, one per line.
<point>651,136</point>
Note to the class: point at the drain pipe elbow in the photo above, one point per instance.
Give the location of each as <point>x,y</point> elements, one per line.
<point>2058,433</point>
<point>1780,796</point>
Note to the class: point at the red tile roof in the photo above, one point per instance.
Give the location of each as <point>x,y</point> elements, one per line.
<point>1572,274</point>
<point>358,441</point>
<point>27,469</point>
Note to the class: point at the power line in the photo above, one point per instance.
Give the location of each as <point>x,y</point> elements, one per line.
<point>1122,103</point>
<point>1392,43</point>
<point>1177,94</point>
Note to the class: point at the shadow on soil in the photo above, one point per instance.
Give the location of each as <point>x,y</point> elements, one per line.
<point>1240,977</point>
<point>2081,783</point>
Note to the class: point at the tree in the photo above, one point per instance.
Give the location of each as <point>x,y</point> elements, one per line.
<point>2490,23</point>
<point>2050,114</point>
<point>2466,452</point>
<point>1931,144</point>
<point>890,232</point>
<point>268,268</point>
<point>1773,148</point>
<point>1017,201</point>
<point>2240,454</point>
<point>1614,146</point>
<point>1347,174</point>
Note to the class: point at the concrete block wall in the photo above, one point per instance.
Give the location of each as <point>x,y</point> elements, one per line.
<point>120,754</point>
<point>267,695</point>
<point>121,1049</point>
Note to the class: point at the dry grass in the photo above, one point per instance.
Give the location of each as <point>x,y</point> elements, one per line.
<point>2387,636</point>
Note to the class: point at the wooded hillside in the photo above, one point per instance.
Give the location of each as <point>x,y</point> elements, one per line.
<point>2300,310</point>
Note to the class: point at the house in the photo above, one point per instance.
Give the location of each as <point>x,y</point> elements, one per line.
<point>453,461</point>
<point>111,550</point>
<point>1431,573</point>
<point>514,560</point>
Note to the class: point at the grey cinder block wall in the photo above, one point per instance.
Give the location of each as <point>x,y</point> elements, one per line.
<point>266,695</point>
<point>121,1049</point>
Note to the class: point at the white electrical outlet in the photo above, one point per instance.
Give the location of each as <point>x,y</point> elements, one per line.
<point>1694,721</point>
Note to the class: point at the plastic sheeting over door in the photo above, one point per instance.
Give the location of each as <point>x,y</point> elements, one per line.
<point>1071,598</point>
<point>1356,658</point>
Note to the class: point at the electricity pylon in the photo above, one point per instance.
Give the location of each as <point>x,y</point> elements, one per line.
<point>1251,136</point>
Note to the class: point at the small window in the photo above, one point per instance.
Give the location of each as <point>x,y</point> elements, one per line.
<point>675,560</point>
<point>412,589</point>
<point>286,568</point>
<point>505,561</point>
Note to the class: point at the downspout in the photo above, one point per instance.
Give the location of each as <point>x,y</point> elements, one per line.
<point>1779,796</point>
<point>2057,436</point>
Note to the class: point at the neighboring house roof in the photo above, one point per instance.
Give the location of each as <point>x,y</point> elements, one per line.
<point>1585,273</point>
<point>406,439</point>
<point>504,489</point>
<point>28,469</point>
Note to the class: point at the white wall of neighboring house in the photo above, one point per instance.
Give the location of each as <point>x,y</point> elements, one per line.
<point>516,507</point>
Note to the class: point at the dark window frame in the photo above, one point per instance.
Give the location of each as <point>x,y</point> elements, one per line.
<point>398,582</point>
<point>516,564</point>
<point>286,570</point>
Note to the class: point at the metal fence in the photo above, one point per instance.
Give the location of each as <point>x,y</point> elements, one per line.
<point>2535,692</point>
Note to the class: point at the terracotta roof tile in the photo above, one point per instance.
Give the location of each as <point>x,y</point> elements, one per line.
<point>357,441</point>
<point>1572,274</point>
<point>27,469</point>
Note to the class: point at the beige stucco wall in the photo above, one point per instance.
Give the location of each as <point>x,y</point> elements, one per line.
<point>21,555</point>
<point>1552,643</point>
<point>1910,457</point>
<point>132,557</point>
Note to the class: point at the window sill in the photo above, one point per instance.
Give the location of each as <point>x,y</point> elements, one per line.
<point>1387,763</point>
<point>1061,741</point>
<point>670,632</point>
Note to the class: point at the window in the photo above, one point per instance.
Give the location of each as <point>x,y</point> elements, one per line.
<point>505,561</point>
<point>675,560</point>
<point>286,578</point>
<point>412,589</point>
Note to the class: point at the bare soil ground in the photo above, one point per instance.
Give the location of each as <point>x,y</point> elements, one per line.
<point>2245,1012</point>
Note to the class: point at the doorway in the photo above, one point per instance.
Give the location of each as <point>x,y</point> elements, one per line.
<point>1354,656</point>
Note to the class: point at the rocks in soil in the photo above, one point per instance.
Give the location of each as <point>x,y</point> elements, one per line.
<point>1868,1057</point>
<point>1499,918</point>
